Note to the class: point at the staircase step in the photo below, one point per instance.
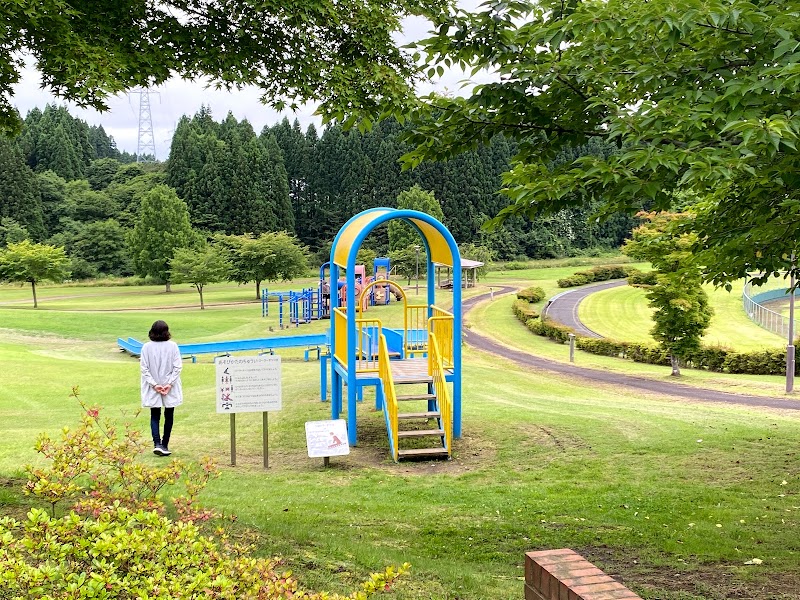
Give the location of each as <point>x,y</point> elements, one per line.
<point>399,380</point>
<point>433,414</point>
<point>403,397</point>
<point>420,433</point>
<point>422,452</point>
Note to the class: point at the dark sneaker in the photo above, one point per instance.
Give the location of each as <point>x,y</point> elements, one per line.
<point>165,451</point>
<point>159,451</point>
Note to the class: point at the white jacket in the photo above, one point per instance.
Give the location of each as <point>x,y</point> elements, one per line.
<point>161,364</point>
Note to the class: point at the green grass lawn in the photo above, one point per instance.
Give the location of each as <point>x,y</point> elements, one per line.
<point>496,320</point>
<point>623,314</point>
<point>673,496</point>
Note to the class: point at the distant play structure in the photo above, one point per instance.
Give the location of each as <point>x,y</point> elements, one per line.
<point>423,358</point>
<point>294,308</point>
<point>310,304</point>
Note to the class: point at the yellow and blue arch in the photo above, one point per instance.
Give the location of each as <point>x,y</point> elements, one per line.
<point>440,248</point>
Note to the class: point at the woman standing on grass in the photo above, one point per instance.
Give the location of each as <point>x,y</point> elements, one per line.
<point>161,366</point>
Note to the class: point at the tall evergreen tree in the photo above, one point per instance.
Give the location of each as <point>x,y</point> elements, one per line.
<point>19,193</point>
<point>103,144</point>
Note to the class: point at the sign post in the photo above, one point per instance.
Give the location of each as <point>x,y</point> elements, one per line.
<point>248,384</point>
<point>327,438</point>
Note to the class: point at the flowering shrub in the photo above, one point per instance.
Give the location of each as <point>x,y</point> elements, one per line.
<point>131,555</point>
<point>96,465</point>
<point>116,542</point>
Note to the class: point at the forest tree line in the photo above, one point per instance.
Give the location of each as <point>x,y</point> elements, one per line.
<point>65,183</point>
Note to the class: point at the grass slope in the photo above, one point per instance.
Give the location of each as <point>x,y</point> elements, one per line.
<point>623,314</point>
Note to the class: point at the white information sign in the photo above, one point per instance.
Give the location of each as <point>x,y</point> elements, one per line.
<point>248,384</point>
<point>327,438</point>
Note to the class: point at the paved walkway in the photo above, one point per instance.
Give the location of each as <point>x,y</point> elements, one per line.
<point>563,308</point>
<point>662,388</point>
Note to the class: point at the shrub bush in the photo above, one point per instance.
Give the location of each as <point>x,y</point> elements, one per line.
<point>712,358</point>
<point>639,278</point>
<point>117,542</point>
<point>516,266</point>
<point>531,294</point>
<point>599,273</point>
<point>574,280</point>
<point>524,311</point>
<point>128,555</point>
<point>550,329</point>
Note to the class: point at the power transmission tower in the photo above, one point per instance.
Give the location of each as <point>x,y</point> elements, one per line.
<point>146,146</point>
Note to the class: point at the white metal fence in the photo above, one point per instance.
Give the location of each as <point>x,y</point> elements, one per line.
<point>753,299</point>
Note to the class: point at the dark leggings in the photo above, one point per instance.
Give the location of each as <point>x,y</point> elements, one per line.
<point>155,421</point>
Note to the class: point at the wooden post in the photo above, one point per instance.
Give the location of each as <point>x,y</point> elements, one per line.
<point>572,347</point>
<point>266,440</point>
<point>233,439</point>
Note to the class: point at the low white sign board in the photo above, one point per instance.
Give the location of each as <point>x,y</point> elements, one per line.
<point>327,438</point>
<point>248,384</point>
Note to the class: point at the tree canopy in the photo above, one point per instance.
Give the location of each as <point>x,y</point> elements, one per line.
<point>681,310</point>
<point>696,96</point>
<point>88,50</point>
<point>162,227</point>
<point>198,267</point>
<point>28,262</point>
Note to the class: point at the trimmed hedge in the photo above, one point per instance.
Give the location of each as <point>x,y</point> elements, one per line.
<point>549,329</point>
<point>600,273</point>
<point>711,358</point>
<point>524,311</point>
<point>639,278</point>
<point>531,294</point>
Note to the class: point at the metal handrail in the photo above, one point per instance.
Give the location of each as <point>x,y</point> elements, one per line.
<point>440,325</point>
<point>442,392</point>
<point>415,329</point>
<point>368,334</point>
<point>390,396</point>
<point>767,318</point>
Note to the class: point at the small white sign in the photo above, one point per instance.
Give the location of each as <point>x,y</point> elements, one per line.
<point>248,384</point>
<point>327,438</point>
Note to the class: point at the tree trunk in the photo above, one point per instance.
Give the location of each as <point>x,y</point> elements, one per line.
<point>258,290</point>
<point>200,291</point>
<point>676,370</point>
<point>33,287</point>
<point>169,287</point>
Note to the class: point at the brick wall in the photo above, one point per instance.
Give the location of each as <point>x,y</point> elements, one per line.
<point>565,575</point>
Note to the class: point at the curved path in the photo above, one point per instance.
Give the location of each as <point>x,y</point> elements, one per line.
<point>663,388</point>
<point>564,307</point>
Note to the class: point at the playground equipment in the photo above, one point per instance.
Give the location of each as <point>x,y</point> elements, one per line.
<point>301,307</point>
<point>427,354</point>
<point>311,343</point>
<point>381,294</point>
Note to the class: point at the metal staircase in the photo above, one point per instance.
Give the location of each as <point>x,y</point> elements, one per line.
<point>424,427</point>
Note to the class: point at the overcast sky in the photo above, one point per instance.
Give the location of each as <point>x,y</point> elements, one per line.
<point>177,97</point>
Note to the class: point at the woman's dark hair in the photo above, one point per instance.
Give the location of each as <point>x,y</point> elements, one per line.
<point>159,332</point>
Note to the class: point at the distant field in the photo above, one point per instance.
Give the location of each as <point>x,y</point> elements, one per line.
<point>623,314</point>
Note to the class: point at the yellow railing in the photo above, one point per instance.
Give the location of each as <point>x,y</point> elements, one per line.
<point>442,392</point>
<point>368,334</point>
<point>440,325</point>
<point>390,397</point>
<point>340,343</point>
<point>415,325</point>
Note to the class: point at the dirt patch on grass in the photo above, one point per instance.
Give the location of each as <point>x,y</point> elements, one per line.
<point>689,581</point>
<point>470,453</point>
